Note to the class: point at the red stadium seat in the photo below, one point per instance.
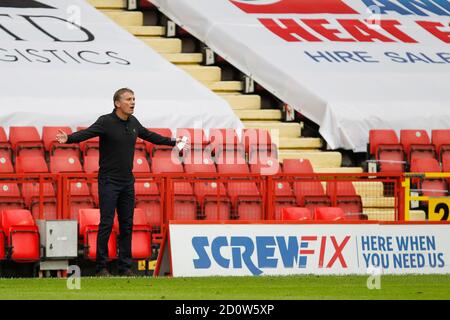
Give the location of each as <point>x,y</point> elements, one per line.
<point>297,166</point>
<point>385,147</point>
<point>425,165</point>
<point>249,210</point>
<point>31,164</point>
<point>280,204</point>
<point>184,209</point>
<point>310,194</point>
<point>26,141</point>
<point>30,191</point>
<point>6,165</point>
<point>296,213</point>
<point>441,141</point>
<point>225,139</point>
<point>10,197</point>
<point>49,209</point>
<point>166,165</point>
<point>80,198</point>
<point>22,235</point>
<point>198,161</point>
<point>417,144</point>
<point>224,157</point>
<point>153,149</point>
<point>196,137</point>
<point>88,221</point>
<point>89,145</point>
<point>141,245</point>
<point>264,165</point>
<point>54,147</point>
<point>140,164</point>
<point>153,211</point>
<point>91,164</point>
<point>60,164</point>
<point>216,210</point>
<point>346,197</point>
<point>329,214</point>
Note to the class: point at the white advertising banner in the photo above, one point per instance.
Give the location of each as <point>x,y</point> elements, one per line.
<point>333,249</point>
<point>62,60</point>
<point>348,65</point>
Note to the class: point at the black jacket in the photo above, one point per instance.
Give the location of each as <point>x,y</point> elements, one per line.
<point>117,143</point>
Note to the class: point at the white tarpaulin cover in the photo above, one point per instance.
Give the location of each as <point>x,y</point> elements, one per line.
<point>62,60</point>
<point>322,58</point>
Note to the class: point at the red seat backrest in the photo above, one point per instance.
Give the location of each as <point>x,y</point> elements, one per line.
<point>296,213</point>
<point>329,214</point>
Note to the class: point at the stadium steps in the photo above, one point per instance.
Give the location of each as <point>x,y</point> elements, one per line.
<point>246,106</point>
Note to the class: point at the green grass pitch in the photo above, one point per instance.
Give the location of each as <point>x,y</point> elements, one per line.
<point>236,288</point>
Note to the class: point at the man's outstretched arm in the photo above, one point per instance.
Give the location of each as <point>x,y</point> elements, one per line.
<point>155,138</point>
<point>94,130</point>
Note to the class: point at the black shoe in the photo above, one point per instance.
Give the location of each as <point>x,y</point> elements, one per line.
<point>126,273</point>
<point>103,273</point>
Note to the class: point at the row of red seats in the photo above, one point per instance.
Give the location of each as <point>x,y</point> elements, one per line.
<point>30,151</point>
<point>393,154</point>
<point>19,235</point>
<point>319,214</point>
<point>198,198</point>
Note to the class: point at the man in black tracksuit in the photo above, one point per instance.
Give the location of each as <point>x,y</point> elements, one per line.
<point>118,132</point>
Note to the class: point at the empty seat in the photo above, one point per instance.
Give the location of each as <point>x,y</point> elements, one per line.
<point>26,139</point>
<point>59,164</point>
<point>198,161</point>
<point>329,214</point>
<point>148,199</point>
<point>250,210</point>
<point>296,214</point>
<point>49,209</point>
<point>31,190</point>
<point>53,146</point>
<point>6,165</point>
<point>91,164</point>
<point>216,209</point>
<point>184,209</point>
<point>425,165</point>
<point>22,235</point>
<point>264,165</point>
<point>196,137</point>
<point>311,194</point>
<point>345,194</point>
<point>90,146</point>
<point>88,221</point>
<point>223,156</point>
<point>10,196</point>
<point>297,166</point>
<point>386,149</point>
<point>141,245</point>
<point>441,141</point>
<point>31,164</point>
<point>166,165</point>
<point>417,144</point>
<point>80,198</point>
<point>140,164</point>
<point>225,139</point>
<point>153,149</point>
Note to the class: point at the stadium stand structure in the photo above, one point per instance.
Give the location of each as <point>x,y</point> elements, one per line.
<point>253,108</point>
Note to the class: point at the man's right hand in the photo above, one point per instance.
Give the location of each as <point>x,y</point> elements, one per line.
<point>61,136</point>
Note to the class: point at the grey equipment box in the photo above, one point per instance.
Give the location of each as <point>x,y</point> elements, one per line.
<point>59,238</point>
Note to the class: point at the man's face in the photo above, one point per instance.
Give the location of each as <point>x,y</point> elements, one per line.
<point>126,103</point>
